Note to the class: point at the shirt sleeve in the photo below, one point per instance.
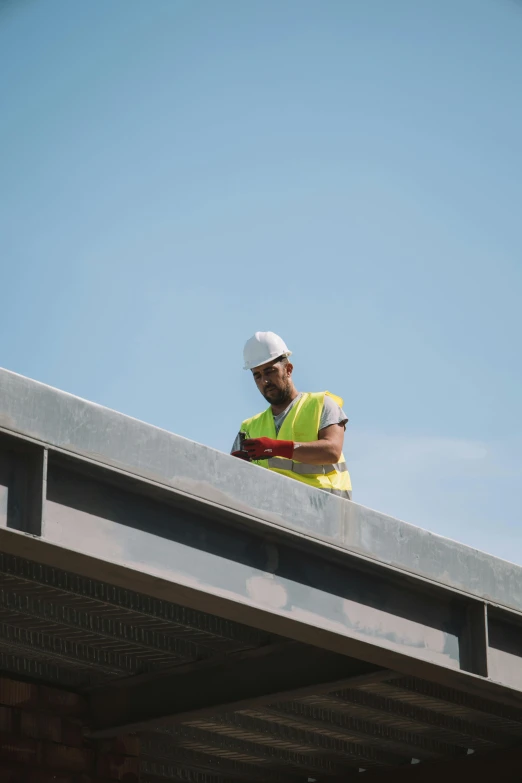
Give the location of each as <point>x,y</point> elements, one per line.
<point>332,414</point>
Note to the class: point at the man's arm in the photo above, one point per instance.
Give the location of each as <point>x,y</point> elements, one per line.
<point>327,449</point>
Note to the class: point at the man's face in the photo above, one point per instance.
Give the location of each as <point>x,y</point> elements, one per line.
<point>274,381</point>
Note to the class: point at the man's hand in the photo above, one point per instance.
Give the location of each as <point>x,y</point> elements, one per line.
<point>241,455</point>
<point>264,448</point>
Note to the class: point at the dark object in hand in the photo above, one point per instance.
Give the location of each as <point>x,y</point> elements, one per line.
<point>241,455</point>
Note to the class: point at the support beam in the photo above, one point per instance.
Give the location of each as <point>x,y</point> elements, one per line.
<point>190,760</point>
<point>445,728</point>
<point>188,692</point>
<point>96,628</point>
<point>262,728</point>
<point>474,639</point>
<point>201,634</point>
<point>238,574</point>
<point>161,772</point>
<point>502,765</point>
<point>164,746</point>
<point>31,665</point>
<point>26,488</point>
<point>395,740</point>
<point>451,701</point>
<point>63,652</point>
<point>118,580</point>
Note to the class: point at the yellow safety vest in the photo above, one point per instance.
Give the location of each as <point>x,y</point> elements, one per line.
<point>301,425</point>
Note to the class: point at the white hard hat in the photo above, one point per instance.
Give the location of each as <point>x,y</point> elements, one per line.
<point>263,347</point>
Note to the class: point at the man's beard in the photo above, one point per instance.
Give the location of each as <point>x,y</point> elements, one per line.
<point>279,396</point>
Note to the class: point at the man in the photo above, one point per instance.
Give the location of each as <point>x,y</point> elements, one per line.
<point>301,434</point>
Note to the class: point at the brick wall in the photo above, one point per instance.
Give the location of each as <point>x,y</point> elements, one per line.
<point>42,741</point>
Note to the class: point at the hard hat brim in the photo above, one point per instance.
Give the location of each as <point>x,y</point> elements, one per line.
<point>267,361</point>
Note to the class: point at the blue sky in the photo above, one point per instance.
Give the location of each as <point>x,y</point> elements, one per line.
<point>178,174</point>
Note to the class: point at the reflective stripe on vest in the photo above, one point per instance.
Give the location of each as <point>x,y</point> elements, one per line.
<point>279,463</point>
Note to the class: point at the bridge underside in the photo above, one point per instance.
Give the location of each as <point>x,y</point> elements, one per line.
<point>215,700</point>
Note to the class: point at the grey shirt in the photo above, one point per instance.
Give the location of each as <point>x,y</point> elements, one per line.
<point>331,414</point>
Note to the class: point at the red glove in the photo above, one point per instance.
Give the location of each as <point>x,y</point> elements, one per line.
<point>264,448</point>
<point>241,455</point>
